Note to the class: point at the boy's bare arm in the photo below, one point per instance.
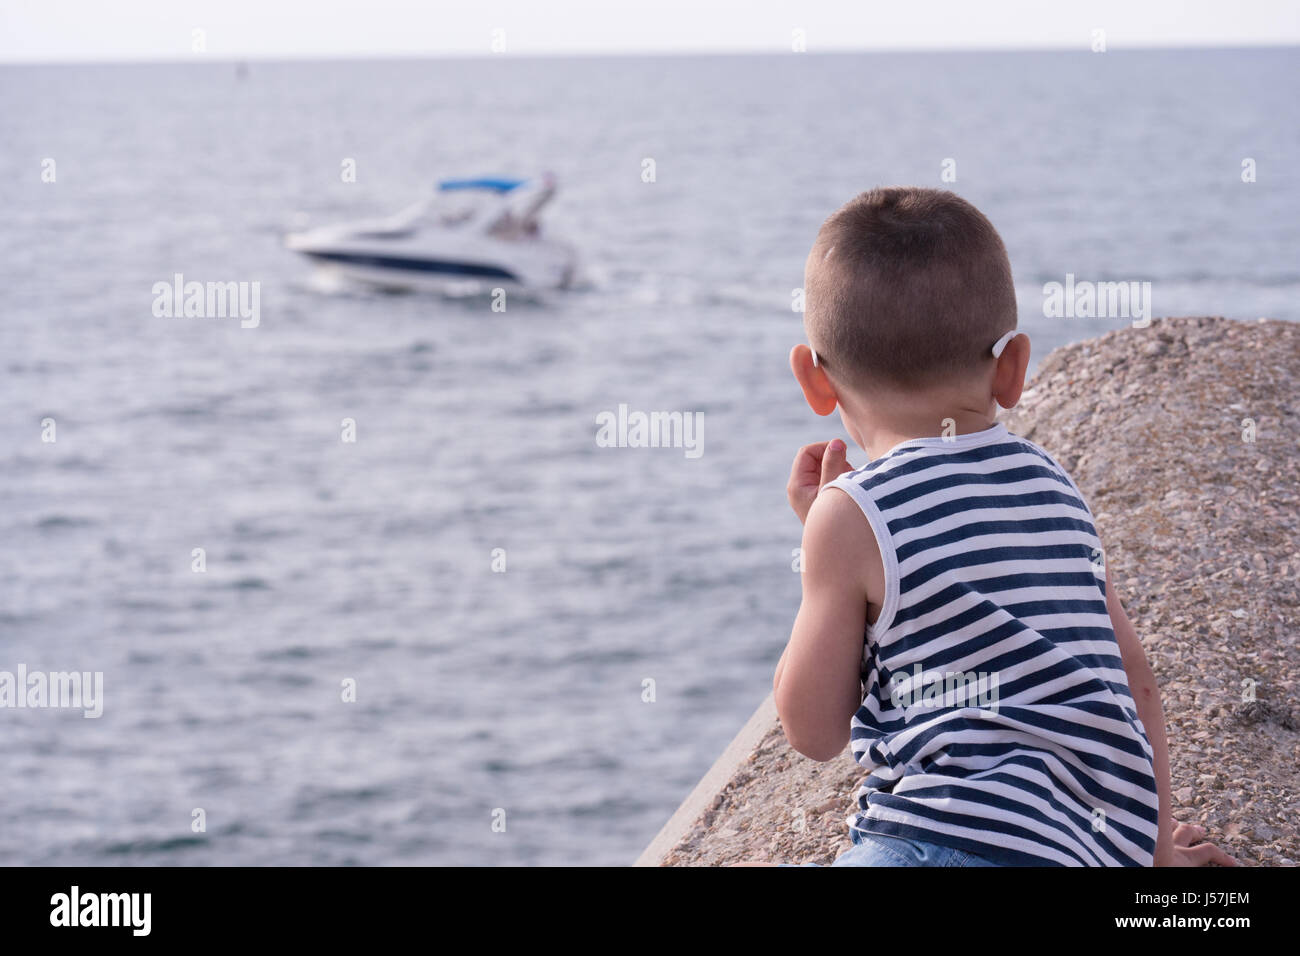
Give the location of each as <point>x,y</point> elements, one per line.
<point>816,686</point>
<point>1174,845</point>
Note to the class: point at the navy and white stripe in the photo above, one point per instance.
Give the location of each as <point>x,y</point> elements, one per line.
<point>992,565</point>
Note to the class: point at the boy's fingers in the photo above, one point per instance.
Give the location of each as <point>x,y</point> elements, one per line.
<point>807,461</point>
<point>834,461</point>
<point>1200,854</point>
<point>1206,853</point>
<point>1223,858</point>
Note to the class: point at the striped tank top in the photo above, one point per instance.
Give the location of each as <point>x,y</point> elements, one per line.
<point>996,715</point>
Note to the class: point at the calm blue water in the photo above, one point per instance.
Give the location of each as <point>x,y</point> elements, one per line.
<point>476,430</point>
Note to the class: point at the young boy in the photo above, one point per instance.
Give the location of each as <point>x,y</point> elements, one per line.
<point>958,625</point>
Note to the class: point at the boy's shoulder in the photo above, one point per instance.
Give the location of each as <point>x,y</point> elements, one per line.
<point>844,530</point>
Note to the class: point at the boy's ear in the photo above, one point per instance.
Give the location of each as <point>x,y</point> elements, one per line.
<point>1009,377</point>
<point>817,388</point>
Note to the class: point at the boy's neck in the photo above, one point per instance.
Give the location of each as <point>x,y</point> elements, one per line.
<point>888,424</point>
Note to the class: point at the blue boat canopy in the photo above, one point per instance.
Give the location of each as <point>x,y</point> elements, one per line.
<point>490,184</point>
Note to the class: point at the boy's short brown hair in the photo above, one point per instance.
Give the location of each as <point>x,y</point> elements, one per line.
<point>907,287</point>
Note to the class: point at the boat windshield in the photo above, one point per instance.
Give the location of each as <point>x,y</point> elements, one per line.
<point>451,209</point>
<point>504,213</point>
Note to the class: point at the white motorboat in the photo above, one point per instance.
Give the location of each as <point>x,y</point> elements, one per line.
<point>470,235</point>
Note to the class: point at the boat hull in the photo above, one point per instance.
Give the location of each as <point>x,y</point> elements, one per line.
<point>412,264</point>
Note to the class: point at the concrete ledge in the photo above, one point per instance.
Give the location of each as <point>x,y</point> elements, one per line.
<point>706,792</point>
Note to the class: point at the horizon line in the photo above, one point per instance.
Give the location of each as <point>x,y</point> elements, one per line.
<point>336,57</point>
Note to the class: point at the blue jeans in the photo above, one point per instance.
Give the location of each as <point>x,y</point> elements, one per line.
<point>874,849</point>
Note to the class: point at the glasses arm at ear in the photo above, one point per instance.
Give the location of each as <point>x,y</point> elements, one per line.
<point>1000,345</point>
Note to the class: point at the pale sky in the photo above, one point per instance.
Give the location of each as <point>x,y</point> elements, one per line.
<point>76,30</point>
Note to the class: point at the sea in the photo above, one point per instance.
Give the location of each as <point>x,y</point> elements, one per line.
<point>474,634</point>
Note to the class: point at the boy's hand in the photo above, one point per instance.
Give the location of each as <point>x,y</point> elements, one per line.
<point>1187,851</point>
<point>814,466</point>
